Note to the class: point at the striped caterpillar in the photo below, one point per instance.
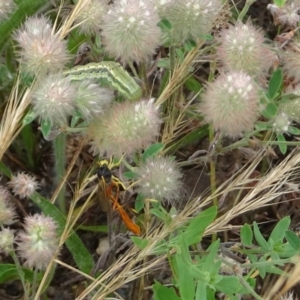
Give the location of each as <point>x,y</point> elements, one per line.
<point>109,73</point>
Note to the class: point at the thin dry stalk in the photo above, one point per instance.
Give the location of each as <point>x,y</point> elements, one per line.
<point>13,114</point>
<point>284,284</point>
<point>180,74</point>
<point>268,188</point>
<point>67,27</point>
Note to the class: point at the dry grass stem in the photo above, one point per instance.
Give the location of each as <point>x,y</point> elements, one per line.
<point>10,126</point>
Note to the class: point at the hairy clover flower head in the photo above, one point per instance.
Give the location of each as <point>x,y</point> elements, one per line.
<point>231,103</point>
<point>53,99</point>
<point>130,30</point>
<point>291,107</point>
<point>91,99</point>
<point>190,18</point>
<point>23,185</point>
<point>287,15</point>
<point>91,15</point>
<point>6,8</point>
<point>7,239</point>
<point>42,50</point>
<point>291,60</point>
<point>38,242</point>
<point>7,210</point>
<point>281,123</point>
<point>125,128</point>
<point>159,178</point>
<point>242,48</point>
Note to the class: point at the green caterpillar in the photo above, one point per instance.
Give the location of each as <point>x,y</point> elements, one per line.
<point>109,73</point>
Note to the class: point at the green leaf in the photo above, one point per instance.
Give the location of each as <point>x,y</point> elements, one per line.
<point>259,238</point>
<point>279,230</point>
<point>228,285</point>
<point>9,272</point>
<point>139,242</point>
<point>45,127</point>
<point>279,3</point>
<point>275,83</point>
<point>198,224</point>
<point>193,85</point>
<point>180,54</point>
<point>79,252</point>
<point>246,235</point>
<point>262,267</point>
<point>211,256</point>
<point>293,130</point>
<point>201,290</point>
<point>194,135</point>
<point>185,279</point>
<point>270,111</point>
<point>165,24</point>
<point>98,228</point>
<point>189,45</point>
<point>129,175</point>
<point>152,151</point>
<point>5,170</point>
<point>29,117</point>
<point>139,203</point>
<point>162,292</point>
<point>293,239</point>
<point>282,145</point>
<point>164,63</point>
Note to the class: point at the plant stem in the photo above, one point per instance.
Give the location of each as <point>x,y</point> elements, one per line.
<point>245,9</point>
<point>21,274</point>
<point>59,145</point>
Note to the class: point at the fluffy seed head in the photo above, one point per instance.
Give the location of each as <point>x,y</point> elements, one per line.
<point>91,99</point>
<point>23,185</point>
<point>291,60</point>
<point>287,15</point>
<point>125,128</point>
<point>190,18</point>
<point>53,99</point>
<point>242,49</point>
<point>291,107</point>
<point>288,296</point>
<point>6,7</point>
<point>159,178</point>
<point>42,50</point>
<point>38,242</point>
<point>7,240</point>
<point>130,30</point>
<point>91,15</point>
<point>7,210</point>
<point>231,103</point>
<point>281,123</point>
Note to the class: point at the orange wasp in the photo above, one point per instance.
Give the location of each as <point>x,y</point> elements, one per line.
<point>112,183</point>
